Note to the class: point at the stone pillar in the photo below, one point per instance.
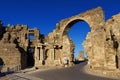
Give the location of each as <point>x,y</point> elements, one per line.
<point>35,56</point>
<point>52,54</point>
<point>41,53</point>
<point>39,56</point>
<point>38,53</point>
<point>35,53</point>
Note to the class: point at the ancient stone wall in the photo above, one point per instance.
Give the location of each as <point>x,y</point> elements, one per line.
<point>57,49</point>
<point>12,58</point>
<point>81,56</point>
<point>113,41</point>
<point>15,44</point>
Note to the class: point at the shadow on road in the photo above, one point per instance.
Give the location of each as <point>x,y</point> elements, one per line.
<point>78,62</point>
<point>6,73</point>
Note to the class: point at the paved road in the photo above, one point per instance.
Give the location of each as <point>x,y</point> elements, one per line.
<point>72,73</point>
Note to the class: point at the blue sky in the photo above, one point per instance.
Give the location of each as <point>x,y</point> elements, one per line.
<point>44,14</point>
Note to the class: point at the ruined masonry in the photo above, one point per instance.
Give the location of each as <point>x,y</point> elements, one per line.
<point>81,56</point>
<point>57,49</point>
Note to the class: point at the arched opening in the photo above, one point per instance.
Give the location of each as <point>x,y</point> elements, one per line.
<point>30,50</point>
<point>30,57</point>
<point>77,31</point>
<point>31,36</point>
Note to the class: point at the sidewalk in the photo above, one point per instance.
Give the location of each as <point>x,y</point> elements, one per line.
<point>24,76</point>
<point>19,76</point>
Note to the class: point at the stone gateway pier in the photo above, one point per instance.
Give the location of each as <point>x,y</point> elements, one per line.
<point>18,50</point>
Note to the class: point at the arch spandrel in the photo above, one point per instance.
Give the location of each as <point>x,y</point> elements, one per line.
<point>93,17</point>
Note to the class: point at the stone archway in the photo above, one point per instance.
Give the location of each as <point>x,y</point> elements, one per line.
<point>94,18</point>
<point>59,36</point>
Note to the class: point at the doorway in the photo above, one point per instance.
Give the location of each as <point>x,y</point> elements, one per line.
<point>30,57</point>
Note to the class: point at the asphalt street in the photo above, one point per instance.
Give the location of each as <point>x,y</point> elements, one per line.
<point>71,73</point>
